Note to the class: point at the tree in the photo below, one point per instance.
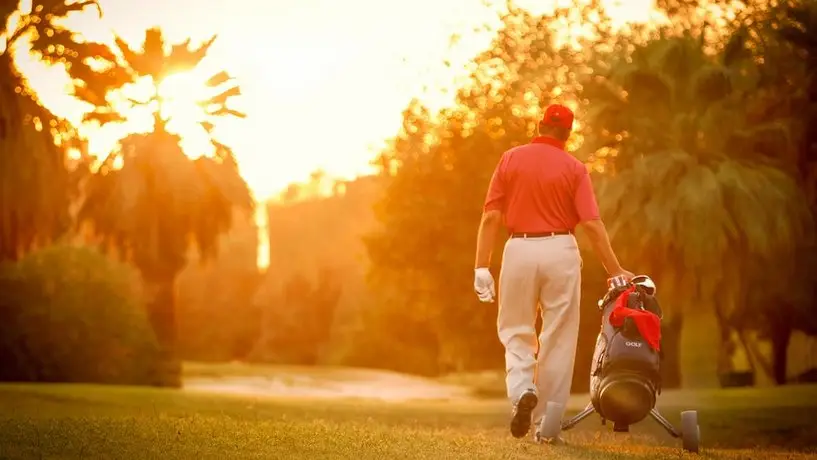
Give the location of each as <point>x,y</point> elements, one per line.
<point>671,129</point>
<point>71,314</point>
<point>310,238</point>
<point>788,31</point>
<point>159,199</point>
<point>779,34</point>
<point>37,184</point>
<point>217,318</point>
<point>298,319</point>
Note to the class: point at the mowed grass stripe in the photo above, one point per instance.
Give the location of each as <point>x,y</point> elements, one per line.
<point>86,421</point>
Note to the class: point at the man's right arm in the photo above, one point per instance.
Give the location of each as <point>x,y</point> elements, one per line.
<point>493,209</point>
<point>590,220</point>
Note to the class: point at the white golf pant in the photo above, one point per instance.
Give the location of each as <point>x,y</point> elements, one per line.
<point>545,273</point>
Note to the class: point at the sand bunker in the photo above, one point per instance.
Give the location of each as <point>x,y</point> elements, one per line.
<point>334,383</point>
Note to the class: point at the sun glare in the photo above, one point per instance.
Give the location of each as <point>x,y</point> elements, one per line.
<point>179,102</point>
<point>181,95</point>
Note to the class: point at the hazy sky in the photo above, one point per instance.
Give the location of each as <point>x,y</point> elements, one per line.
<point>324,81</point>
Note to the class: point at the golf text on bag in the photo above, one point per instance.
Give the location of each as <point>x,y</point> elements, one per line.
<point>625,373</point>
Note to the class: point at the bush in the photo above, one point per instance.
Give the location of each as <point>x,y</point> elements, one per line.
<point>70,314</point>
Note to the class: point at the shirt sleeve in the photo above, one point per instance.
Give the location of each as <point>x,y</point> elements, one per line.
<point>495,199</point>
<point>585,199</point>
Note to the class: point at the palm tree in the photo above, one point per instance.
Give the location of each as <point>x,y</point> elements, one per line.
<point>695,192</point>
<point>159,200</point>
<point>37,187</point>
<point>794,72</point>
<point>780,35</point>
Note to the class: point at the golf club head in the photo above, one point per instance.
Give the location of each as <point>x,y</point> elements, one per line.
<point>645,283</point>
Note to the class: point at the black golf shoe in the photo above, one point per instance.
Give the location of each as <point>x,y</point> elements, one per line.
<point>520,422</point>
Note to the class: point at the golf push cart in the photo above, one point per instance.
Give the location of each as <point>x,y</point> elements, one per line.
<point>625,373</point>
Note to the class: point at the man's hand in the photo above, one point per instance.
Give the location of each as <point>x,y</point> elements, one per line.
<point>484,284</point>
<point>622,272</point>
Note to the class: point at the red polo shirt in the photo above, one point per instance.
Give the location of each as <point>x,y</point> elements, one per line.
<point>541,188</point>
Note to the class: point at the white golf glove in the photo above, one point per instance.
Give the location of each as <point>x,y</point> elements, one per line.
<point>484,284</point>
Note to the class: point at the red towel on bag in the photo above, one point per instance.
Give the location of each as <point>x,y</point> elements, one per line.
<point>647,322</point>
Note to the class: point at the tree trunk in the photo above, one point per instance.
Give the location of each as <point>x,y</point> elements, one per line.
<point>161,309</point>
<point>671,346</point>
<point>780,334</point>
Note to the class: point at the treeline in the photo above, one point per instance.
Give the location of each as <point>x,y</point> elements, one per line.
<point>698,132</point>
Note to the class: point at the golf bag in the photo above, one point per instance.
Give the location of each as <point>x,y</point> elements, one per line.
<point>625,374</point>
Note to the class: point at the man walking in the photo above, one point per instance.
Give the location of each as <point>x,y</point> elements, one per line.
<point>543,193</point>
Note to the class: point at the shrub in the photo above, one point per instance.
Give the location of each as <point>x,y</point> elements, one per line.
<point>71,314</point>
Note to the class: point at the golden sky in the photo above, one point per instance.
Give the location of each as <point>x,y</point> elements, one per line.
<point>324,81</point>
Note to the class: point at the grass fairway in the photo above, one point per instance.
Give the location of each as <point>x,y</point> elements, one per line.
<point>78,421</point>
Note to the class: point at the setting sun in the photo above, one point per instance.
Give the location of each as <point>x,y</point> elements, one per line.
<point>181,95</point>
<point>180,100</point>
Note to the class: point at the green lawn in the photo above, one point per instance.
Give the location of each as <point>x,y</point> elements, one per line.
<point>83,421</point>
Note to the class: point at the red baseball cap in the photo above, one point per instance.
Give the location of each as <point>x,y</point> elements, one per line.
<point>559,116</point>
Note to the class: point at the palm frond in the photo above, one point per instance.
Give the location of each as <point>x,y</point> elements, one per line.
<point>710,83</point>
<point>223,179</point>
<point>224,153</point>
<point>36,184</point>
<point>208,126</point>
<point>735,51</point>
<point>61,8</point>
<point>89,96</point>
<point>102,117</point>
<point>677,58</point>
<point>218,79</point>
<point>226,191</point>
<point>224,111</point>
<point>133,59</point>
<point>223,97</point>
<point>802,21</point>
<point>182,58</point>
<point>153,54</point>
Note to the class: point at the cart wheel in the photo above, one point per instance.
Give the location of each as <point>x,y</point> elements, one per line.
<point>551,424</point>
<point>690,431</point>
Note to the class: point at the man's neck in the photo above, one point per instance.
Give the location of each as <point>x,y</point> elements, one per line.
<point>549,141</point>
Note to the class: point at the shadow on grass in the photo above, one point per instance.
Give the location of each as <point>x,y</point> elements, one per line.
<point>777,429</point>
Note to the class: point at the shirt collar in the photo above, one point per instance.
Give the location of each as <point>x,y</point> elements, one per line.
<point>549,141</point>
